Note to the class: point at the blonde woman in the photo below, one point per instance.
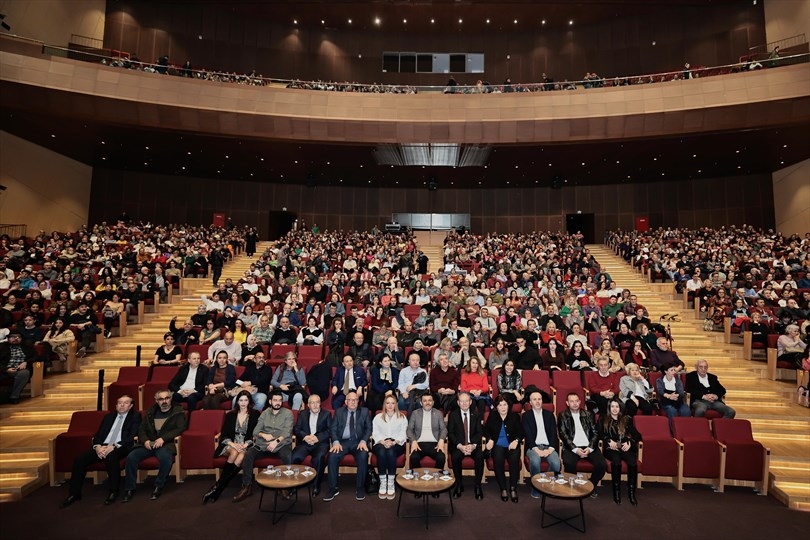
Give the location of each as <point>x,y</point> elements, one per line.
<point>389,434</point>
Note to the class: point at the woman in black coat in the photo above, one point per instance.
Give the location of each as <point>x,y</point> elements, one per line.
<point>236,436</point>
<point>504,432</point>
<point>620,443</point>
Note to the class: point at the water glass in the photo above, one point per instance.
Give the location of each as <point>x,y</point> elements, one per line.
<point>436,476</point>
<point>445,472</point>
<point>571,482</point>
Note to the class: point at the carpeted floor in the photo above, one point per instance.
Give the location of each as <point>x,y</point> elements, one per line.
<point>663,513</point>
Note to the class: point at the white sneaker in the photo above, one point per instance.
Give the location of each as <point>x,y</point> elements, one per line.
<point>392,484</point>
<point>383,487</point>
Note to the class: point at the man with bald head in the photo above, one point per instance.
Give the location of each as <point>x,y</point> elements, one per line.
<point>227,344</point>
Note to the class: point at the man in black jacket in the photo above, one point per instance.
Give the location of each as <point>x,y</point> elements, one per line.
<point>16,363</point>
<point>312,433</point>
<point>113,441</point>
<point>465,440</point>
<point>580,439</point>
<point>706,392</point>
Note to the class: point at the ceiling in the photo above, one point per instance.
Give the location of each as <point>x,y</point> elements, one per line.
<point>631,161</point>
<point>443,16</point>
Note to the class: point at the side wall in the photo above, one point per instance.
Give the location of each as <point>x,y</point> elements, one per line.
<point>53,21</point>
<point>44,190</point>
<point>791,198</point>
<point>786,18</point>
<point>684,203</point>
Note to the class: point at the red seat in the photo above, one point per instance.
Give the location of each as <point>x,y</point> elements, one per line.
<point>661,452</point>
<point>747,461</point>
<point>309,354</point>
<point>278,352</point>
<point>161,376</point>
<point>703,457</point>
<point>64,448</point>
<point>561,396</point>
<point>201,348</point>
<point>129,382</point>
<point>199,441</point>
<point>566,378</point>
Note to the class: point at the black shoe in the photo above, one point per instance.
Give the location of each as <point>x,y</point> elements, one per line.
<point>504,495</point>
<point>111,498</point>
<point>128,495</point>
<point>513,495</point>
<point>331,495</point>
<point>70,500</point>
<point>211,494</point>
<point>434,495</point>
<point>417,495</point>
<point>457,492</point>
<point>316,491</point>
<point>156,494</point>
<point>479,493</point>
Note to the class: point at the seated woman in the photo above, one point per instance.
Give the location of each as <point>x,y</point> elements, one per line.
<point>292,381</point>
<point>209,333</point>
<point>635,391</point>
<point>503,433</point>
<point>249,349</point>
<point>58,339</point>
<point>389,434</point>
<point>606,352</point>
<point>384,380</point>
<point>236,436</point>
<point>620,442</point>
<point>446,347</point>
<point>498,355</point>
<point>221,379</point>
<point>790,348</point>
<point>671,395</point>
<point>310,334</point>
<point>554,356</point>
<point>240,332</point>
<point>550,333</point>
<point>474,380</point>
<point>510,383</point>
<point>505,333</point>
<point>248,317</point>
<point>112,308</point>
<point>624,339</point>
<point>638,354</point>
<point>381,334</point>
<point>578,359</point>
<point>759,330</point>
<point>168,354</point>
<point>335,342</point>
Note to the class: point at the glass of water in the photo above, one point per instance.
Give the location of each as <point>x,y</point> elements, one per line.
<point>436,476</point>
<point>580,476</point>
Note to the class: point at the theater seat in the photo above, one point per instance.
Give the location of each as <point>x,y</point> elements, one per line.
<point>199,442</point>
<point>151,463</point>
<point>660,451</point>
<point>129,382</point>
<point>704,459</point>
<point>64,448</point>
<point>747,461</point>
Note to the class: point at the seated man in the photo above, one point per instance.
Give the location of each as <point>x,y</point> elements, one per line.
<point>16,363</point>
<point>580,439</point>
<point>85,321</point>
<point>113,441</point>
<point>256,380</point>
<point>361,351</point>
<point>444,381</point>
<point>394,352</point>
<point>350,434</point>
<point>706,392</point>
<point>312,436</point>
<point>227,344</point>
<point>603,385</point>
<point>661,355</point>
<point>349,378</point>
<point>272,436</point>
<point>464,435</point>
<point>161,424</point>
<point>188,384</point>
<point>540,433</point>
<point>413,382</point>
<point>284,334</point>
<point>427,433</point>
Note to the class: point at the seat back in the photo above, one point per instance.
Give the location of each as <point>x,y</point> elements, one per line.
<point>201,348</point>
<point>566,379</point>
<point>278,352</point>
<point>732,430</point>
<point>135,374</point>
<point>85,421</point>
<point>691,429</point>
<point>538,378</point>
<point>206,420</point>
<point>562,396</point>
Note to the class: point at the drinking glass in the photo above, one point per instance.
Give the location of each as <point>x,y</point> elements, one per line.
<point>436,476</point>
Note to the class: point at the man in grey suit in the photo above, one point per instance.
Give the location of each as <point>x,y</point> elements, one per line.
<point>350,434</point>
<point>427,433</point>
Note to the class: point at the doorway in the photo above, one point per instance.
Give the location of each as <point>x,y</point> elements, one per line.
<point>583,224</point>
<point>279,224</point>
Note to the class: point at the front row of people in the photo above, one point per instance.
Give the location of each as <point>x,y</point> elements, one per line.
<point>248,435</point>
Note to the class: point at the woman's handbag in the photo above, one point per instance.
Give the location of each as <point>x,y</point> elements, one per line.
<point>372,480</point>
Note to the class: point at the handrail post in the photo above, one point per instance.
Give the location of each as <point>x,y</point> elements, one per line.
<point>138,356</point>
<point>100,392</point>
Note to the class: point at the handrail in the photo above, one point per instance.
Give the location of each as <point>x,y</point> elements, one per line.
<point>783,43</point>
<point>86,41</point>
<point>256,80</point>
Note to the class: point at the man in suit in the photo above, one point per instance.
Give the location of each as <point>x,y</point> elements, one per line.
<point>427,442</point>
<point>580,439</point>
<point>464,436</point>
<point>312,436</point>
<point>540,433</point>
<point>161,424</point>
<point>273,436</point>
<point>706,392</point>
<point>188,384</point>
<point>349,378</point>
<point>350,434</point>
<point>112,442</point>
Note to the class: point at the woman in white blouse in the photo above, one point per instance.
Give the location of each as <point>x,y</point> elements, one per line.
<point>388,432</point>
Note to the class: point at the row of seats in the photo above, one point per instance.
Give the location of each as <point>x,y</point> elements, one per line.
<point>721,452</point>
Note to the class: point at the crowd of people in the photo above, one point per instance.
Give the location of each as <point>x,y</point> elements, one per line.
<point>758,279</point>
<point>62,287</point>
<point>403,361</point>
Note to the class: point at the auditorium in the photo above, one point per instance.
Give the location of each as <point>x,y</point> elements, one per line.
<point>316,267</point>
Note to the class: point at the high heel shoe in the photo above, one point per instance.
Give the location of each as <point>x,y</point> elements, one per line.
<point>513,495</point>
<point>504,495</point>
<point>211,494</point>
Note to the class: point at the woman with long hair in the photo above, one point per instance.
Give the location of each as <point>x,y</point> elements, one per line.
<point>510,383</point>
<point>58,339</point>
<point>474,381</point>
<point>620,440</point>
<point>389,434</point>
<point>236,437</point>
<point>578,358</point>
<point>504,432</point>
<point>499,354</point>
<point>220,379</point>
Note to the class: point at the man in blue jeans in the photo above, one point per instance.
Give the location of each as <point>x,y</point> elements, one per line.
<point>351,433</point>
<point>540,432</point>
<point>162,423</point>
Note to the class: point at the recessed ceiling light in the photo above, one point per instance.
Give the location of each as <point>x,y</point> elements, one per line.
<point>487,21</point>
<point>262,159</point>
<point>183,168</point>
<point>432,21</point>
<point>404,21</point>
<point>460,21</point>
<point>376,20</point>
<point>694,155</point>
<point>295,21</point>
<point>102,142</point>
<point>617,161</point>
<point>515,21</point>
<point>226,157</point>
<point>583,163</point>
<point>146,147</point>
<point>199,36</point>
<point>737,152</point>
<point>571,22</point>
<point>350,21</point>
<point>516,166</point>
<point>784,146</point>
<point>53,136</point>
<point>655,159</point>
<point>189,153</point>
<point>323,21</point>
<point>296,161</point>
<point>543,21</point>
<point>145,163</point>
<point>103,159</point>
<point>359,55</point>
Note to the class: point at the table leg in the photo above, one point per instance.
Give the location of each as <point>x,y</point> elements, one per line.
<point>558,519</point>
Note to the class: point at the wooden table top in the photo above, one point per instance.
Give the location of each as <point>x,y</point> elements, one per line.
<point>562,491</point>
<point>417,485</point>
<point>285,481</point>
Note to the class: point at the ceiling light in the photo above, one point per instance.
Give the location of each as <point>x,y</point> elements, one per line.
<point>183,168</point>
<point>571,22</point>
<point>189,153</point>
<point>487,21</point>
<point>543,21</point>
<point>146,147</point>
<point>350,21</point>
<point>460,21</point>
<point>515,21</point>
<point>323,21</point>
<point>199,36</point>
<point>404,21</point>
<point>377,21</point>
<point>103,159</point>
<point>295,21</point>
<point>432,21</point>
<point>102,142</point>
